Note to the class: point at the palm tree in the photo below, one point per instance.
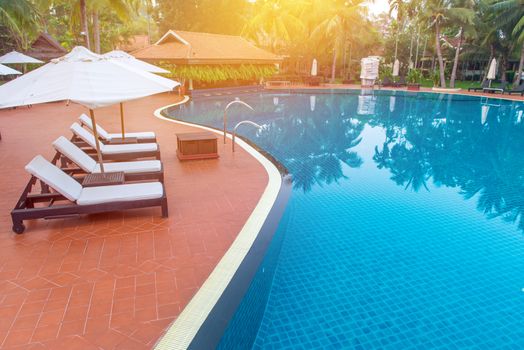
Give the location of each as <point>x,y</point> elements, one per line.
<point>335,28</point>
<point>466,25</point>
<point>83,23</point>
<point>442,13</point>
<point>275,24</point>
<point>510,13</point>
<point>21,19</point>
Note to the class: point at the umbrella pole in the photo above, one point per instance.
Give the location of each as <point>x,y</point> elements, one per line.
<point>97,141</point>
<point>122,120</point>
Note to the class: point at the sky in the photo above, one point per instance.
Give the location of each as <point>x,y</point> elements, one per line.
<point>377,7</point>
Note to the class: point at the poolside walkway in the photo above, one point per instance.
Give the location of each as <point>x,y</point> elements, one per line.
<point>422,89</point>
<point>113,281</point>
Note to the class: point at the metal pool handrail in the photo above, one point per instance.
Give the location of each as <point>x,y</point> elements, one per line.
<point>225,114</point>
<point>240,123</point>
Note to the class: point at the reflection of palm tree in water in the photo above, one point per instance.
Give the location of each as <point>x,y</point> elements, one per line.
<point>484,161</point>
<point>314,145</point>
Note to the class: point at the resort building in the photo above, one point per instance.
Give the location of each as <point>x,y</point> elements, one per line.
<point>45,48</point>
<point>209,58</point>
<point>136,42</point>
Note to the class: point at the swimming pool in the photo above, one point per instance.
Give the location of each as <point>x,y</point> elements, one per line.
<point>404,227</point>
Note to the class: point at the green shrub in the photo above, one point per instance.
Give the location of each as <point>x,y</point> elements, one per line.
<point>216,73</point>
<point>414,76</point>
<point>435,77</point>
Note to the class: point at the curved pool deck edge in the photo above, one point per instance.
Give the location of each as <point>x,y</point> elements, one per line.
<point>181,333</point>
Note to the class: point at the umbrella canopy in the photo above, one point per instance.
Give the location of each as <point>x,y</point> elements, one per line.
<point>126,58</point>
<point>314,68</point>
<point>5,70</point>
<point>492,72</point>
<point>83,77</point>
<point>15,57</point>
<point>396,68</point>
<point>86,78</point>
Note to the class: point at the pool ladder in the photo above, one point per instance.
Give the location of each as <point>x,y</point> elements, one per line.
<point>240,123</point>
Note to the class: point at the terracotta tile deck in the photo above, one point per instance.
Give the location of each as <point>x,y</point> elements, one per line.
<point>117,280</point>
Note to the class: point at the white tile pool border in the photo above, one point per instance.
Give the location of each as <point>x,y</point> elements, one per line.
<point>182,331</point>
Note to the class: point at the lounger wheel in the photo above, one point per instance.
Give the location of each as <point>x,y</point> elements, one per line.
<point>19,228</point>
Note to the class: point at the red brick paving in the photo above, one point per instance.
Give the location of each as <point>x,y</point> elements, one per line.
<point>114,280</point>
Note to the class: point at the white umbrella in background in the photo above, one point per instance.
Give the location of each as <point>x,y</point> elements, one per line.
<point>314,68</point>
<point>396,68</point>
<point>15,57</point>
<point>86,78</point>
<point>312,102</point>
<point>126,58</point>
<point>484,114</point>
<point>5,70</point>
<point>492,71</point>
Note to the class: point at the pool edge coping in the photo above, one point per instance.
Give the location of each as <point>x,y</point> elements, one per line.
<point>183,330</point>
<point>462,92</point>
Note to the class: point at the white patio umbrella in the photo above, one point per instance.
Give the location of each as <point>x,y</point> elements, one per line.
<point>314,68</point>
<point>86,78</point>
<point>126,58</point>
<point>5,70</point>
<point>492,71</point>
<point>15,57</point>
<point>396,68</point>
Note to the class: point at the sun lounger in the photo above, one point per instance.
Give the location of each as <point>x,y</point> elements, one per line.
<point>387,82</point>
<point>72,199</point>
<point>134,171</point>
<point>484,85</point>
<point>401,82</point>
<point>146,137</point>
<point>117,152</point>
<point>518,90</point>
<point>494,90</point>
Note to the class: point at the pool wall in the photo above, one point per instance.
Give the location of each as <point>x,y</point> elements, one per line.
<point>247,308</point>
<point>203,321</point>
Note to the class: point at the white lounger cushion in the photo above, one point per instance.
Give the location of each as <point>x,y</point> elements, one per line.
<point>54,177</point>
<point>72,190</point>
<point>120,193</point>
<point>75,154</point>
<point>88,138</point>
<point>139,135</point>
<point>108,136</point>
<point>129,148</point>
<point>144,166</point>
<point>89,165</point>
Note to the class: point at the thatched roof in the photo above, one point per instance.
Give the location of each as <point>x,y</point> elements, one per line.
<point>205,48</point>
<point>134,43</point>
<point>45,48</point>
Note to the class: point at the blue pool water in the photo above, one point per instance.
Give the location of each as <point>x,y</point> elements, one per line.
<point>404,228</point>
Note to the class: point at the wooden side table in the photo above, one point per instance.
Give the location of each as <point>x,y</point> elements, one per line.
<point>105,179</point>
<point>196,145</point>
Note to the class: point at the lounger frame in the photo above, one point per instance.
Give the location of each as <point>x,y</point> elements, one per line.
<point>114,157</point>
<point>25,207</point>
<point>147,140</point>
<point>62,161</point>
